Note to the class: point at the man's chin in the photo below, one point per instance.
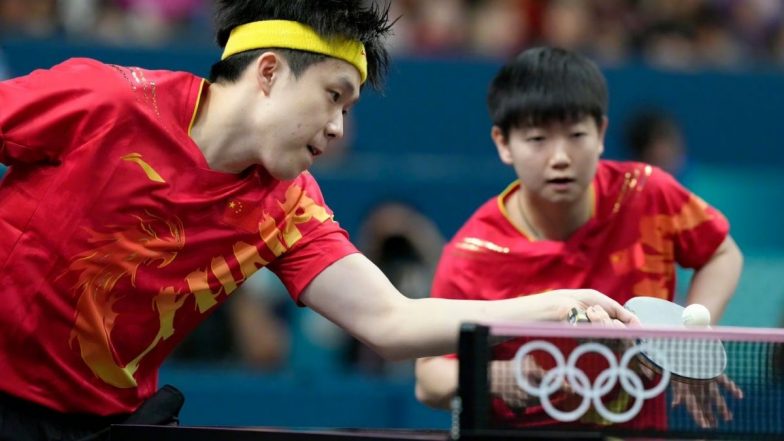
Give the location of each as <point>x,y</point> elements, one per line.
<point>287,174</point>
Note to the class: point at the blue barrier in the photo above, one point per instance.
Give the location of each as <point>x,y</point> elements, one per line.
<point>234,397</point>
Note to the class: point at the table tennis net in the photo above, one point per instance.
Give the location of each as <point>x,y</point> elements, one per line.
<point>700,383</point>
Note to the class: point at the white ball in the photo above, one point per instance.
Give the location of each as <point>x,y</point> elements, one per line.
<point>696,315</point>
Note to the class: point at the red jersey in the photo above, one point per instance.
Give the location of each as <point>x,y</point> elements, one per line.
<point>643,223</point>
<point>116,238</point>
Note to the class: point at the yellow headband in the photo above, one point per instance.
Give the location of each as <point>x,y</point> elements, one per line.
<point>293,35</point>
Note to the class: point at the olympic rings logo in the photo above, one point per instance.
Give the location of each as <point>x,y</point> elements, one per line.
<point>578,380</point>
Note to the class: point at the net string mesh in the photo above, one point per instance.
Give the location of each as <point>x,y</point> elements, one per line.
<point>652,385</point>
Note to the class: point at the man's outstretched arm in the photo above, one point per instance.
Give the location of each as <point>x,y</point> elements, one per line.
<point>355,294</point>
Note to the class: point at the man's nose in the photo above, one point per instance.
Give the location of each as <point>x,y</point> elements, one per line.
<point>335,127</point>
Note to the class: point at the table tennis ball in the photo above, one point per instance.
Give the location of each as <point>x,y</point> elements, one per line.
<point>696,315</point>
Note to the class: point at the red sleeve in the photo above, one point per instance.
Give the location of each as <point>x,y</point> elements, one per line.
<point>42,114</point>
<point>697,228</point>
<point>312,255</point>
<point>322,244</point>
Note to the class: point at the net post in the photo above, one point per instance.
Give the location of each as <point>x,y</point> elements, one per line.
<point>473,397</point>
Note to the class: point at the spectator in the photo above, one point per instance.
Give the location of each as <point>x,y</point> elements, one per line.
<point>34,18</point>
<point>406,246</point>
<point>714,42</point>
<point>675,34</point>
<point>441,26</point>
<point>654,137</point>
<point>568,24</point>
<point>499,28</point>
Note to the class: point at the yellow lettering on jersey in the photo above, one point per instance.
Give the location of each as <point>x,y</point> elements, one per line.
<point>200,287</point>
<point>199,284</point>
<point>270,235</point>
<point>249,258</point>
<point>299,209</point>
<point>222,271</point>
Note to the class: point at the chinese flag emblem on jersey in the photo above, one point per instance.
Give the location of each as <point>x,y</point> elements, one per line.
<point>243,214</point>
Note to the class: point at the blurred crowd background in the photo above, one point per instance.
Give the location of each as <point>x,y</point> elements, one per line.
<point>679,34</point>
<point>427,140</point>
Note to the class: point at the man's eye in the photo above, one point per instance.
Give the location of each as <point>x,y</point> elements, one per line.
<point>335,96</point>
<point>535,139</point>
<point>578,134</point>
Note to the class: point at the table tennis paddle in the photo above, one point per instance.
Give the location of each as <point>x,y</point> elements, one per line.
<point>688,360</point>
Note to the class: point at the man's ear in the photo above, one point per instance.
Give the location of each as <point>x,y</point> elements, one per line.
<point>501,144</point>
<point>269,67</point>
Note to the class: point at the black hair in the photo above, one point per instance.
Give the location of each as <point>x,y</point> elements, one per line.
<point>647,127</point>
<point>351,19</point>
<point>543,85</point>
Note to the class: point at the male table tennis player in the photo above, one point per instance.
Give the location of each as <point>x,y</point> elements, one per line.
<point>572,220</point>
<point>138,200</point>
